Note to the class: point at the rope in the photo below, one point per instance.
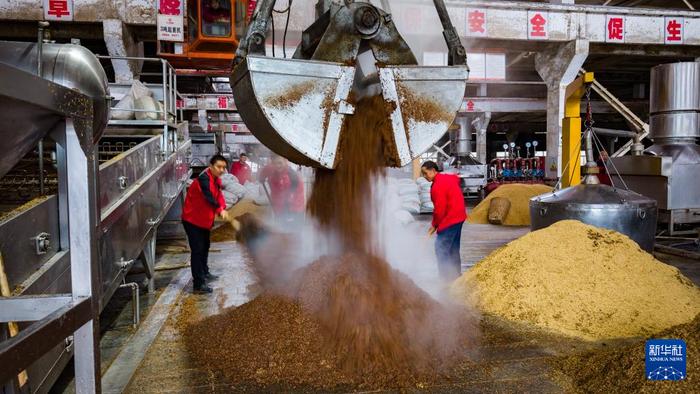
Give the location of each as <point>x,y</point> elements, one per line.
<point>613,166</point>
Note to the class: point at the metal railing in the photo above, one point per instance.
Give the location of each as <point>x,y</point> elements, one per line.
<point>169,116</point>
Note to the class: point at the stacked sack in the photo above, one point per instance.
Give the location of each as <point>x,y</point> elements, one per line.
<point>232,189</point>
<point>256,192</point>
<point>408,195</point>
<point>399,199</point>
<point>426,203</point>
<point>139,98</point>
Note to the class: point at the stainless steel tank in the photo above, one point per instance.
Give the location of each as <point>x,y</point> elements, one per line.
<point>599,205</point>
<point>675,102</point>
<point>72,66</point>
<point>668,170</point>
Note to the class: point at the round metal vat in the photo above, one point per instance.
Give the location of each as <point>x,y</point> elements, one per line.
<point>599,205</point>
<point>72,66</point>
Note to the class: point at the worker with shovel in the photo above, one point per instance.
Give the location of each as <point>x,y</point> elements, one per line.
<point>449,215</point>
<point>241,170</point>
<point>286,191</point>
<point>203,203</point>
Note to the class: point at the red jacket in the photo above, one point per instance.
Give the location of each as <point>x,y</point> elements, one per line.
<point>448,201</point>
<point>204,201</point>
<point>603,175</point>
<point>241,171</point>
<point>286,189</point>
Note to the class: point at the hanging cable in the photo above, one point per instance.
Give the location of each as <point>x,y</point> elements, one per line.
<point>596,142</point>
<point>613,166</point>
<point>592,140</point>
<point>289,5</point>
<point>272,20</point>
<point>286,27</point>
<point>598,145</point>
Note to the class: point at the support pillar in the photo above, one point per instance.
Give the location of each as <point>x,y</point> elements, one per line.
<point>558,67</point>
<point>571,132</point>
<point>481,124</point>
<point>120,42</point>
<point>81,174</point>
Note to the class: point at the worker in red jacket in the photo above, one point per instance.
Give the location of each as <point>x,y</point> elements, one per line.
<point>449,215</point>
<point>241,170</point>
<point>603,175</point>
<point>286,189</point>
<point>204,201</point>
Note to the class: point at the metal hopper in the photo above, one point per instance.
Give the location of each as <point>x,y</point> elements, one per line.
<point>296,107</point>
<point>72,66</point>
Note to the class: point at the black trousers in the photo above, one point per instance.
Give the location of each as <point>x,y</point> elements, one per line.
<point>198,239</point>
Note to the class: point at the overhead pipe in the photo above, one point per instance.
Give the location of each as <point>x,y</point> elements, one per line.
<point>614,132</point>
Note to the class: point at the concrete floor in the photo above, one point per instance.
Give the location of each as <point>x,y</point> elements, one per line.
<point>509,358</point>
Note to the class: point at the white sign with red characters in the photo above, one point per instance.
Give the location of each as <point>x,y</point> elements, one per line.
<point>615,28</point>
<point>596,24</point>
<point>537,25</point>
<point>170,22</point>
<point>476,22</point>
<point>674,30</point>
<point>58,10</point>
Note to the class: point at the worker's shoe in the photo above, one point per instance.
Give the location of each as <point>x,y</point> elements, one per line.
<point>211,277</point>
<point>203,289</point>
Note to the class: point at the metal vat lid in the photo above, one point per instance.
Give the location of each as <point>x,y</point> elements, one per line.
<point>599,196</point>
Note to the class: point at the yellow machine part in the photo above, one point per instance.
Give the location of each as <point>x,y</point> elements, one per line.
<point>571,131</point>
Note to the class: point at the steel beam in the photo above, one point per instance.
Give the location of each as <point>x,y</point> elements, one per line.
<point>83,227</point>
<point>531,105</point>
<point>18,353</point>
<point>30,308</point>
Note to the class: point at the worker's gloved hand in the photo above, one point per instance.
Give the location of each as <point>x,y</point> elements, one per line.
<point>224,215</point>
<point>431,231</point>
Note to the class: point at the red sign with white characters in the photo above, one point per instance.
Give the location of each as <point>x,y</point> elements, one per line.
<point>615,28</point>
<point>58,10</point>
<point>222,102</point>
<point>537,25</point>
<point>476,23</point>
<point>169,7</point>
<point>674,30</point>
<point>251,9</point>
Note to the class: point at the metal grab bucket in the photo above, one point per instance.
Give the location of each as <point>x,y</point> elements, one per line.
<point>294,107</point>
<point>426,103</point>
<point>297,107</point>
